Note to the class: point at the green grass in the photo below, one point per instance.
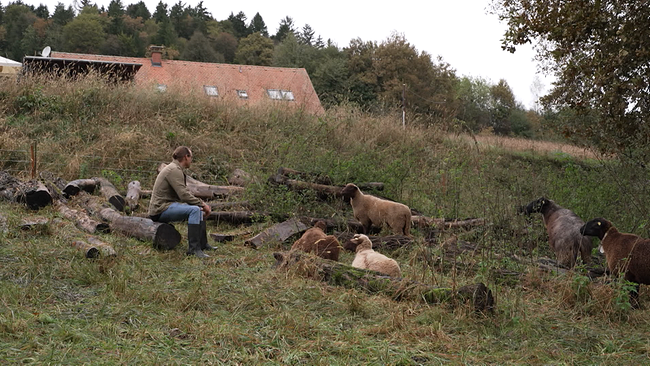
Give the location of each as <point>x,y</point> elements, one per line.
<point>150,307</point>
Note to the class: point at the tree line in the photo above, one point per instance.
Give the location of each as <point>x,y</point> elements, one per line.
<point>376,76</point>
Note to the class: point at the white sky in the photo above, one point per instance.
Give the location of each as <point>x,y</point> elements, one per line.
<point>460,31</point>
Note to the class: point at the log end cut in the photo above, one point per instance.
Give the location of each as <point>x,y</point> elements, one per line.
<point>166,237</point>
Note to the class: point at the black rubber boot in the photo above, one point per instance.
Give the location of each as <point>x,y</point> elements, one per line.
<point>194,241</point>
<point>204,238</point>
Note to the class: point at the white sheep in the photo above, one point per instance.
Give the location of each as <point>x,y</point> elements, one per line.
<point>370,210</point>
<point>367,258</point>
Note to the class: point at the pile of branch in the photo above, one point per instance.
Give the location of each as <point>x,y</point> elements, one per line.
<point>337,274</point>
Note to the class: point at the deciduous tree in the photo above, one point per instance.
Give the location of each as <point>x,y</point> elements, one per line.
<point>255,50</point>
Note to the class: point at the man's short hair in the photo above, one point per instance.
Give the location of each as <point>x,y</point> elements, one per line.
<point>181,152</point>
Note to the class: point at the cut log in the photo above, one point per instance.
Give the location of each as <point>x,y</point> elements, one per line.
<point>323,190</point>
<point>81,219</point>
<point>133,194</point>
<point>207,191</point>
<point>32,193</point>
<point>278,233</point>
<point>73,188</point>
<point>88,250</point>
<point>164,236</point>
<point>337,274</point>
<point>236,217</point>
<point>39,224</point>
<point>424,222</point>
<point>104,248</point>
<point>109,191</point>
<point>217,206</point>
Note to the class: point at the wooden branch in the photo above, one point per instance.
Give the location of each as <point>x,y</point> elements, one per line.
<point>207,191</point>
<point>81,219</point>
<point>337,274</point>
<point>109,191</point>
<point>73,188</point>
<point>279,232</point>
<point>133,194</point>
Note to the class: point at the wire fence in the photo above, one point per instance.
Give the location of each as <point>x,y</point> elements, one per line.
<point>28,163</point>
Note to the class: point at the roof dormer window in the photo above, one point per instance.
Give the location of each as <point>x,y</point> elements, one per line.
<point>211,90</point>
<point>242,94</point>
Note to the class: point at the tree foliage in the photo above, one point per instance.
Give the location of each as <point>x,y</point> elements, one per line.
<point>255,50</point>
<point>599,52</point>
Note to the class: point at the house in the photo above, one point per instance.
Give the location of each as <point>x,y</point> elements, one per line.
<point>9,67</point>
<point>242,84</point>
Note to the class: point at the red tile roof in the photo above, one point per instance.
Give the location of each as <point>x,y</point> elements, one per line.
<point>191,77</point>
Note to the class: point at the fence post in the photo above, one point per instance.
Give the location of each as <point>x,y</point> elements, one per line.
<point>33,150</point>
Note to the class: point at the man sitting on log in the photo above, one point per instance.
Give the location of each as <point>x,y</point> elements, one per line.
<point>172,201</point>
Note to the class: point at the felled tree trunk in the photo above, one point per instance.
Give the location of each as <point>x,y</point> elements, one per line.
<point>109,191</point>
<point>133,194</point>
<point>216,206</point>
<point>323,190</point>
<point>81,219</point>
<point>278,233</point>
<point>352,225</point>
<point>337,274</point>
<point>164,236</point>
<point>73,188</point>
<point>207,191</point>
<point>423,222</point>
<point>235,217</point>
<point>32,193</point>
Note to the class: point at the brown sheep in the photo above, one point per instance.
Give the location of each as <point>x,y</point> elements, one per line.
<point>627,253</point>
<point>370,210</point>
<point>366,258</point>
<point>563,228</point>
<point>315,241</point>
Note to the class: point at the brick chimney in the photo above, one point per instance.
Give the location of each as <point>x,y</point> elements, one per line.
<point>156,55</point>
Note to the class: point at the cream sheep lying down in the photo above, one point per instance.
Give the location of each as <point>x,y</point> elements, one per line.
<point>367,258</point>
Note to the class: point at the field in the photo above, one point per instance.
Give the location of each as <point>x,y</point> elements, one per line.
<point>151,307</point>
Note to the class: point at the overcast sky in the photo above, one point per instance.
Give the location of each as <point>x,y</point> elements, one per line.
<point>461,31</point>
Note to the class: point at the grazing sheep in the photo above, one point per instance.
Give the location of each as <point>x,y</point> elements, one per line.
<point>315,241</point>
<point>367,258</point>
<point>627,253</point>
<point>370,210</point>
<point>563,228</point>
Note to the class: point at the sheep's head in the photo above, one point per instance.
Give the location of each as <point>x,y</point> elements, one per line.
<point>350,190</point>
<point>596,227</point>
<point>361,241</point>
<point>535,206</point>
<point>321,225</point>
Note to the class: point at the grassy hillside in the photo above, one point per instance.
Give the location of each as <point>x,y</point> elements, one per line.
<point>155,307</point>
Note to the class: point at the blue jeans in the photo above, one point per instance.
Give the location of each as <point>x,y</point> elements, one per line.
<point>178,211</point>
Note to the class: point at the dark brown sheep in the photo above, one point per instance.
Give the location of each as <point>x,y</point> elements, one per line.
<point>625,253</point>
<point>563,228</point>
<point>315,241</point>
<point>370,210</point>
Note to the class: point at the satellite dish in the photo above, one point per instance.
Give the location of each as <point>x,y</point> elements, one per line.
<point>46,51</point>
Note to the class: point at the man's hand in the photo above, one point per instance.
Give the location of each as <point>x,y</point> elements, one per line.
<point>206,209</point>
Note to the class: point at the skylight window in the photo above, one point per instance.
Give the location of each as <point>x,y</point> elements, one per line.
<point>211,90</point>
<point>280,94</point>
<point>242,94</point>
<point>162,88</point>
